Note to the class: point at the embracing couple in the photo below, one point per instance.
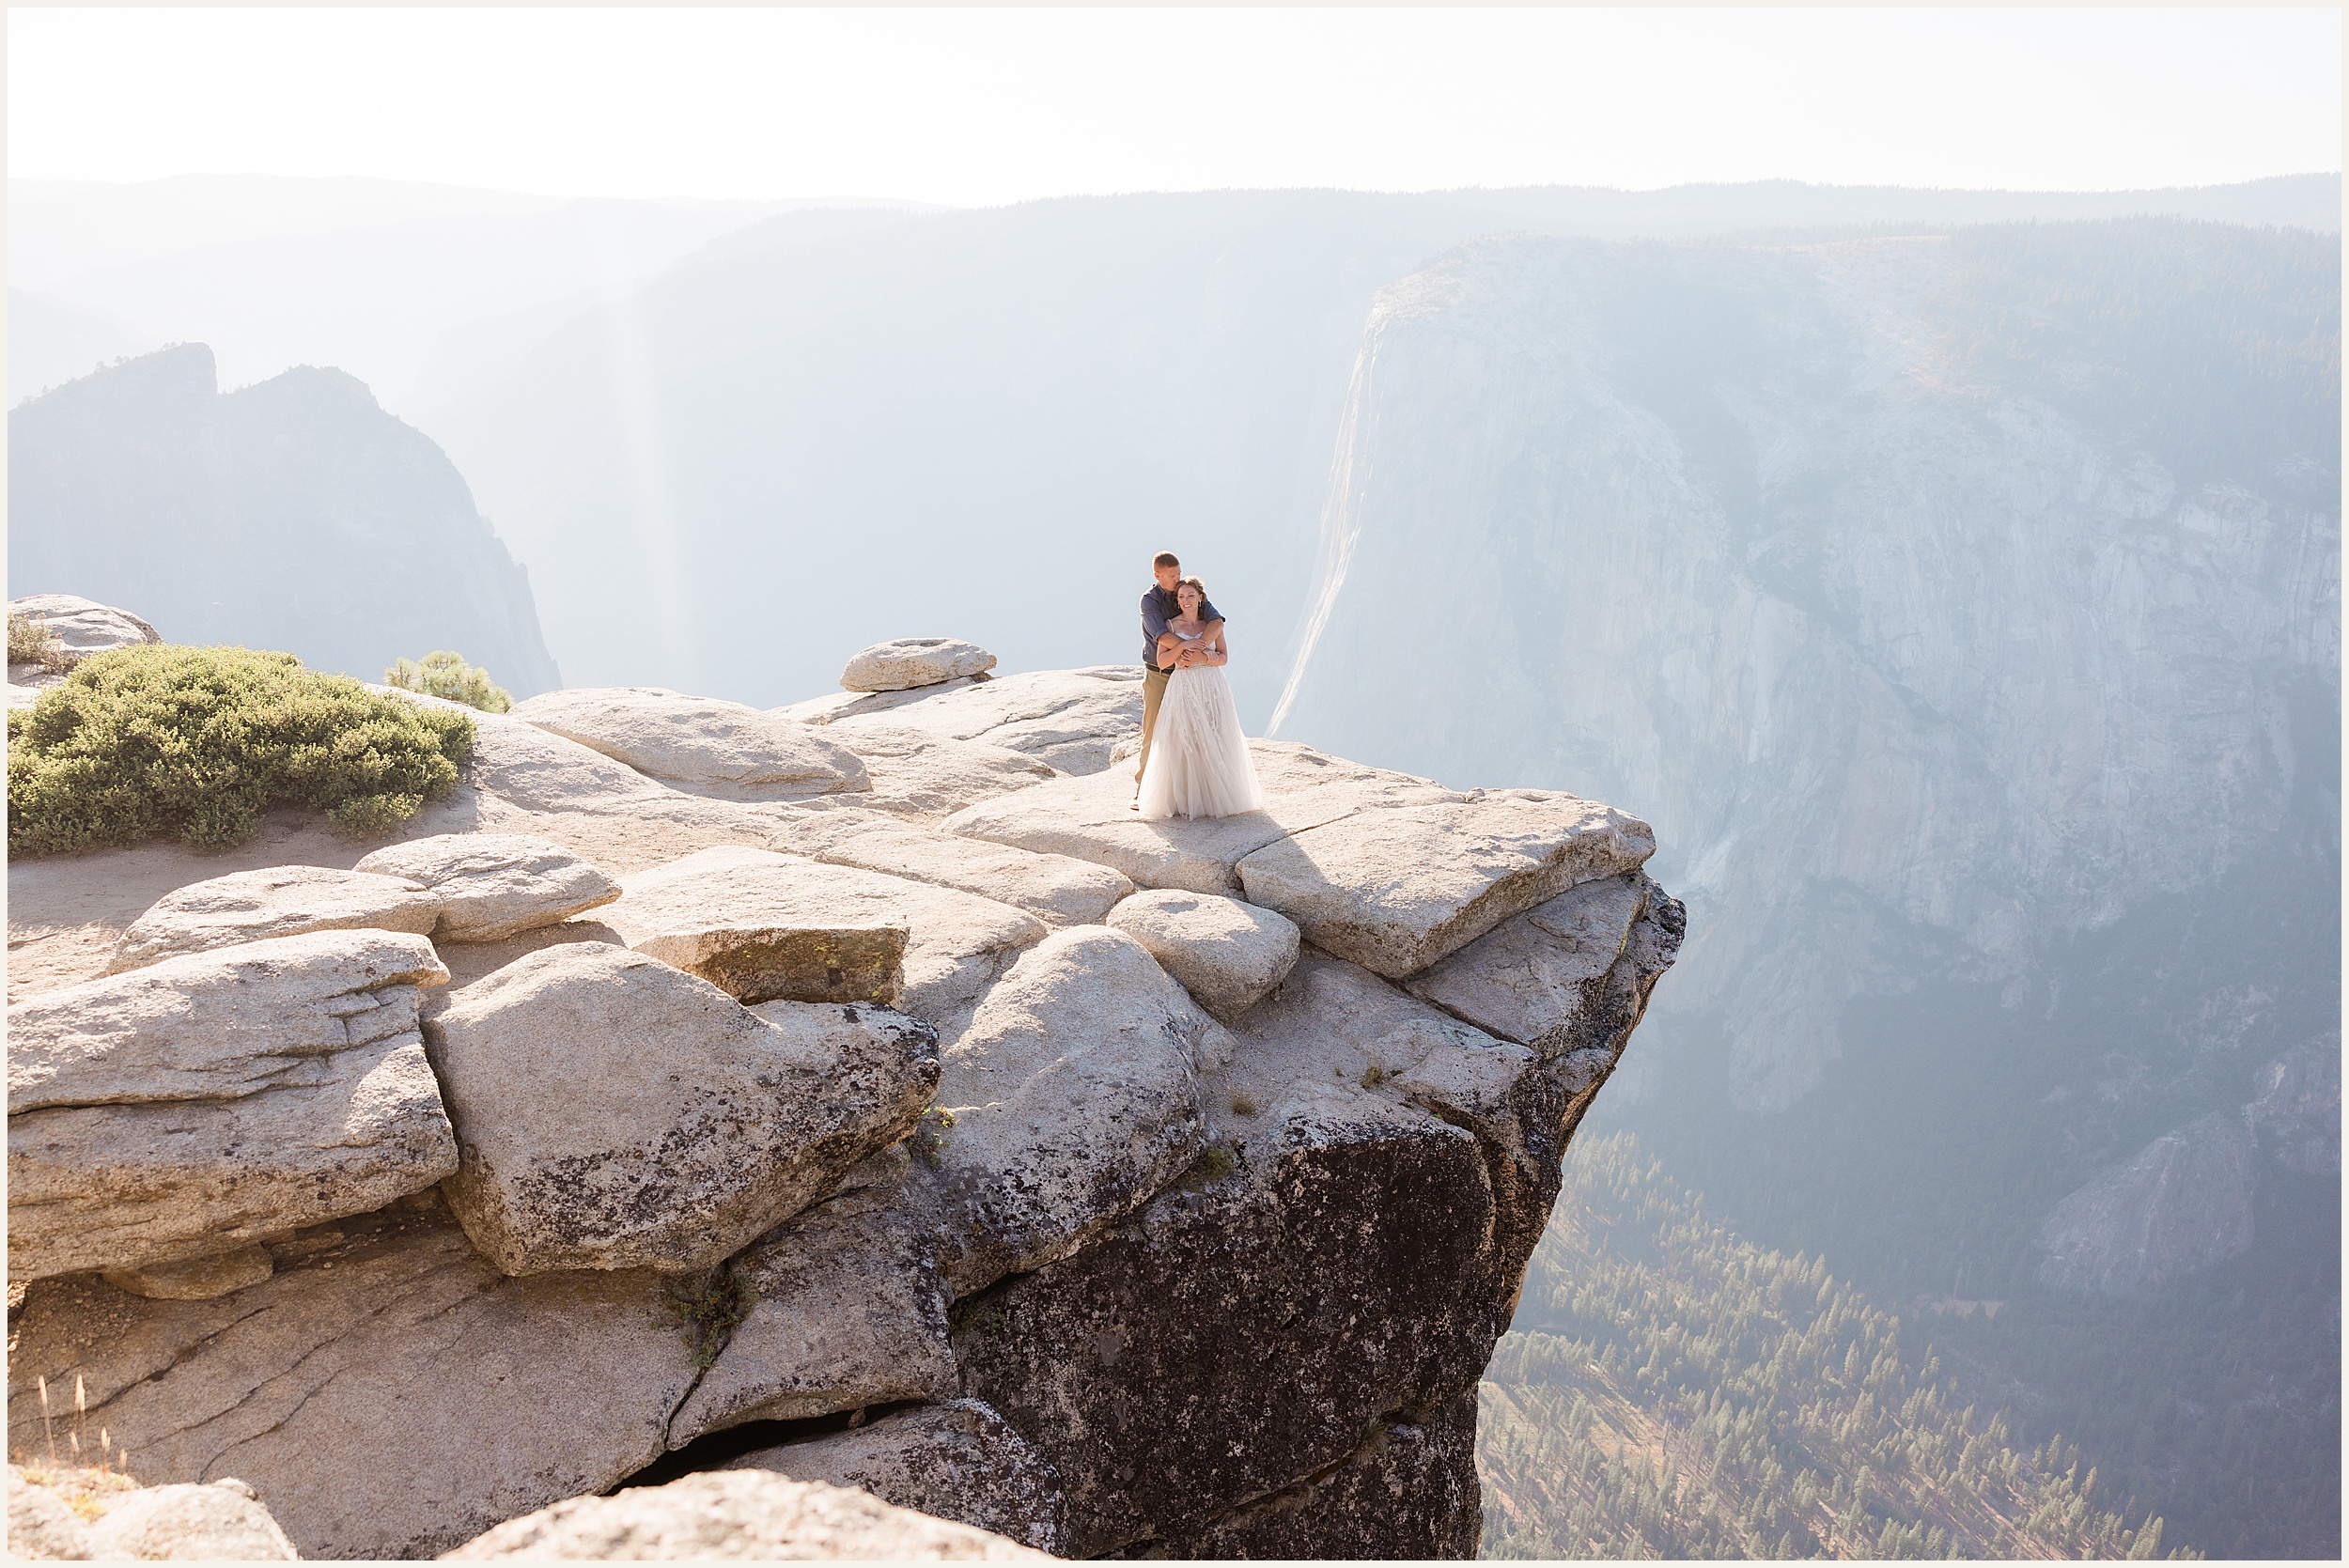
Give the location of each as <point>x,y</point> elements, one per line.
<point>1194,759</point>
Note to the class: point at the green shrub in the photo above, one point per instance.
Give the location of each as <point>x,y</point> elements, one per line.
<point>446,674</point>
<point>709,1307</point>
<point>161,741</point>
<point>31,642</point>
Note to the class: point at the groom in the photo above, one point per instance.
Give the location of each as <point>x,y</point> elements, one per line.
<point>1157,608</point>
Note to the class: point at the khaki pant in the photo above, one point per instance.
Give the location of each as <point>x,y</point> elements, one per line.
<point>1153,692</point>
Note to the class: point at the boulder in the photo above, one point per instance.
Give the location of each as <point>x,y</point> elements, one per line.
<point>958,1461</point>
<point>1056,888</point>
<point>83,626</point>
<point>919,773</point>
<point>1090,819</point>
<point>957,942</point>
<point>845,1312</point>
<point>387,1392</point>
<point>1227,955</point>
<point>737,1515</point>
<point>914,662</point>
<point>536,772</point>
<point>1071,1097</point>
<point>182,1522</point>
<point>493,886</point>
<point>849,704</point>
<point>1534,978</point>
<point>701,745</point>
<point>203,1102</point>
<point>197,1278</point>
<point>743,921</point>
<point>1068,718</point>
<point>275,901</point>
<point>42,1525</point>
<point>1397,890</point>
<point>614,1112</point>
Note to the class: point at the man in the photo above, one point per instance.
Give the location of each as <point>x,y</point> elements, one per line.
<point>1157,608</point>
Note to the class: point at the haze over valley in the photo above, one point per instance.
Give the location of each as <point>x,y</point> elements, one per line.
<point>1951,578</point>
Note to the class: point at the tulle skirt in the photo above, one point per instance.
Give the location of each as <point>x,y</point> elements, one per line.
<point>1199,761</point>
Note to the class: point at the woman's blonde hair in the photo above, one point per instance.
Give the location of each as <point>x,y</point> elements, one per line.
<point>1191,582</point>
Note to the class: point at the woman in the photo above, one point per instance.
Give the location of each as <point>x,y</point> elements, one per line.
<point>1199,761</point>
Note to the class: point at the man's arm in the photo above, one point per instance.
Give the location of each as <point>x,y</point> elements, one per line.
<point>1212,638</point>
<point>1153,617</point>
<point>1215,626</point>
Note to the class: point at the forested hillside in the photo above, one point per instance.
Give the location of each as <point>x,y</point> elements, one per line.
<point>1671,1391</point>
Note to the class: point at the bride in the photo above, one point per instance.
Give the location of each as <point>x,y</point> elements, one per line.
<point>1199,761</point>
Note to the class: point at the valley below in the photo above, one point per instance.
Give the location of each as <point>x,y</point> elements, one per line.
<point>1949,580</point>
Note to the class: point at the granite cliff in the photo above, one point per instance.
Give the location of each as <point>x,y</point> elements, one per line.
<point>291,514</point>
<point>855,1091</point>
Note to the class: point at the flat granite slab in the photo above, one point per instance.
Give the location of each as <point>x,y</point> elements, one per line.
<point>1397,890</point>
<point>1072,719</point>
<point>1089,818</point>
<point>958,941</point>
<point>1536,978</point>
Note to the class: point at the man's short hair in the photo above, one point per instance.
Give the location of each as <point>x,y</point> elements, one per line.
<point>1165,558</point>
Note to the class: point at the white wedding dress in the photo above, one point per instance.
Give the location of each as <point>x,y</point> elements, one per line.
<point>1199,761</point>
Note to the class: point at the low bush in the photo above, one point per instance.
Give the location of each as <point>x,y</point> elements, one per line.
<point>445,673</point>
<point>31,642</point>
<point>709,1307</point>
<point>161,740</point>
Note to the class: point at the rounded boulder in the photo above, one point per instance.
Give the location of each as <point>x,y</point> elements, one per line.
<point>908,662</point>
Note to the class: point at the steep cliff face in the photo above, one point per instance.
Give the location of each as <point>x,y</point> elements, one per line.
<point>293,514</point>
<point>1925,669</point>
<point>1966,607</point>
<point>865,1137</point>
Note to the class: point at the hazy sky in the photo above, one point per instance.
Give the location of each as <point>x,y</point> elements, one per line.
<point>968,106</point>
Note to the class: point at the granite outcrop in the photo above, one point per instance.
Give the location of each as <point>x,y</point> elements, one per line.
<point>1096,1187</point>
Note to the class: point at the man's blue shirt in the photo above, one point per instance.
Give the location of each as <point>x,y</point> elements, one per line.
<point>1157,608</point>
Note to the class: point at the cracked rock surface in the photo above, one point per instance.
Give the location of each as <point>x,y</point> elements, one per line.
<point>386,1390</point>
<point>200,1103</point>
<point>278,901</point>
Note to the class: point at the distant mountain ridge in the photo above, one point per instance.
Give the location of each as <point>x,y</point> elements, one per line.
<point>406,286</point>
<point>295,514</point>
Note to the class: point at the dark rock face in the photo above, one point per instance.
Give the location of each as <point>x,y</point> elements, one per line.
<point>294,514</point>
<point>1244,1335</point>
<point>1408,1492</point>
<point>1239,1337</point>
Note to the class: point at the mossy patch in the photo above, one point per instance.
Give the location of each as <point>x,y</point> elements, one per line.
<point>929,1137</point>
<point>709,1307</point>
